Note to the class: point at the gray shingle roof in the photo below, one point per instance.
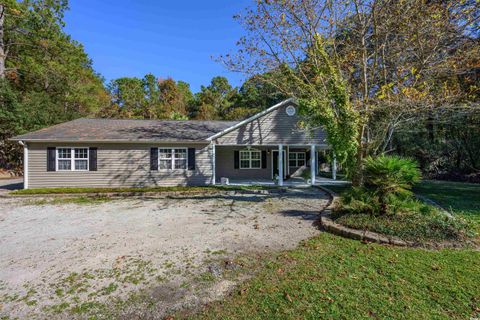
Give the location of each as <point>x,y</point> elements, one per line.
<point>86,129</point>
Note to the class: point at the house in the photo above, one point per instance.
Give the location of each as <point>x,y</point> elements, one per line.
<point>137,153</point>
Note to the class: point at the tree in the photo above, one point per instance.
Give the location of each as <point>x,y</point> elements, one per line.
<point>148,98</point>
<point>216,100</point>
<point>254,96</point>
<point>128,95</point>
<point>392,57</point>
<point>173,99</point>
<point>48,78</point>
<point>283,46</point>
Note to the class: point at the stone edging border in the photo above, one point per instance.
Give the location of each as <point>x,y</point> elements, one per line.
<point>329,225</point>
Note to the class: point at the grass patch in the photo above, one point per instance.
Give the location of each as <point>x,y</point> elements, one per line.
<point>459,197</point>
<point>329,277</point>
<point>137,190</point>
<point>339,188</point>
<point>83,200</point>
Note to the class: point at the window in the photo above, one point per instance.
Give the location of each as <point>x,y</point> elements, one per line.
<point>72,159</point>
<point>169,159</point>
<point>64,158</point>
<point>296,159</point>
<point>250,159</point>
<point>290,110</point>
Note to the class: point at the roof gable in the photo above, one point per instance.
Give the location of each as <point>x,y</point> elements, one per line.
<point>252,118</point>
<point>271,127</point>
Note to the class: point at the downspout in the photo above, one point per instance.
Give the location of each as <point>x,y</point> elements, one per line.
<point>214,178</point>
<point>25,164</point>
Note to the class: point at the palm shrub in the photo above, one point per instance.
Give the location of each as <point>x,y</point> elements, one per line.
<point>390,176</point>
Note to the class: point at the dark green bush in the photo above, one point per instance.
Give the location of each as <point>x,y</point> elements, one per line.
<point>385,205</point>
<point>389,177</point>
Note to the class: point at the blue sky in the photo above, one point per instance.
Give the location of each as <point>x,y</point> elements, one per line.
<point>167,38</point>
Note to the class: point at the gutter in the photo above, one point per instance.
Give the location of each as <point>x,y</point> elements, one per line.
<point>23,140</point>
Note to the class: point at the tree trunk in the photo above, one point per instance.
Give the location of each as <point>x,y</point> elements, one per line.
<point>2,45</point>
<point>357,178</point>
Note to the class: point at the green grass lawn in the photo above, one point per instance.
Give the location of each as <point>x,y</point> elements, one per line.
<point>461,198</point>
<point>330,277</point>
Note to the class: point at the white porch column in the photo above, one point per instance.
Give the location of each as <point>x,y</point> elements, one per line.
<point>334,167</point>
<point>214,159</point>
<point>25,166</point>
<point>280,164</point>
<point>312,164</point>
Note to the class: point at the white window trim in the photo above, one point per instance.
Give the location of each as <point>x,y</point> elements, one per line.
<point>72,159</point>
<point>249,159</point>
<point>172,168</point>
<point>296,158</point>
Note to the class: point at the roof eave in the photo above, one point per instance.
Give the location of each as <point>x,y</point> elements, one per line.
<point>108,141</point>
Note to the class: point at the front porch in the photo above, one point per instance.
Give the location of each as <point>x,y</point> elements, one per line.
<point>292,182</point>
<point>282,165</point>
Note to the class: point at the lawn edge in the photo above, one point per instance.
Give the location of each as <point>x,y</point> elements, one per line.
<point>132,192</point>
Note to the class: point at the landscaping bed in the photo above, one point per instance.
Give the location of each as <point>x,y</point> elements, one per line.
<point>419,229</point>
<point>386,205</point>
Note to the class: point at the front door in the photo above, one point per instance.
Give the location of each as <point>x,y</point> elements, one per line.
<point>275,164</point>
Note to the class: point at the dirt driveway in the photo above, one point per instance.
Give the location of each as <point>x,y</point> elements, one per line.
<point>60,259</point>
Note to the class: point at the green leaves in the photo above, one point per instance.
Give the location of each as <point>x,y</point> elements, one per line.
<point>325,102</point>
<point>49,77</point>
<point>391,174</point>
<point>389,177</point>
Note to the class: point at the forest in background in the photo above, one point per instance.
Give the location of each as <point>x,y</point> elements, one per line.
<point>421,91</point>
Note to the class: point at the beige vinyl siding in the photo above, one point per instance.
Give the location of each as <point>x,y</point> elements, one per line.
<point>275,127</point>
<point>225,164</point>
<point>119,165</point>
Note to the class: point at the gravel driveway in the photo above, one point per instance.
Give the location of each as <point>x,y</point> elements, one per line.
<point>76,259</point>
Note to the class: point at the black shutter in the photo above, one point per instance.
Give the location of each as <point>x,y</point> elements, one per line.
<point>191,158</point>
<point>51,153</point>
<point>92,159</point>
<point>236,159</point>
<point>264,159</point>
<point>153,158</point>
<point>307,158</point>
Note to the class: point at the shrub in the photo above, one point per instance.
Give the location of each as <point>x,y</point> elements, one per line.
<point>358,200</point>
<point>390,177</point>
<point>385,205</point>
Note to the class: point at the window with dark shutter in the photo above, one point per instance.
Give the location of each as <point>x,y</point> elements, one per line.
<point>236,159</point>
<point>191,158</point>
<point>92,165</point>
<point>264,159</point>
<point>51,153</point>
<point>154,159</point>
